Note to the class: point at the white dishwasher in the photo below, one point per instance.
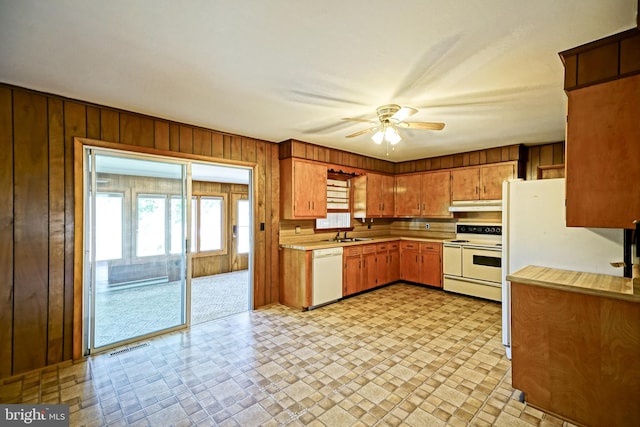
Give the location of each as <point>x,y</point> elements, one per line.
<point>327,275</point>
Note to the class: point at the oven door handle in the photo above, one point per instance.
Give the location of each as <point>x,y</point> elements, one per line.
<point>478,281</point>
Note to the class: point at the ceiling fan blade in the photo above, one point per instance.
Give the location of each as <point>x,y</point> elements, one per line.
<point>422,125</point>
<point>403,113</point>
<point>362,132</point>
<point>350,119</point>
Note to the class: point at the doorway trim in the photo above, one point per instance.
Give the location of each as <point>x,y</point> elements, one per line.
<point>78,224</point>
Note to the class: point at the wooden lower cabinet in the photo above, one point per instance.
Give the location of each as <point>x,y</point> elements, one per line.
<point>352,272</point>
<point>421,263</point>
<point>576,355</point>
<point>369,266</point>
<point>295,278</point>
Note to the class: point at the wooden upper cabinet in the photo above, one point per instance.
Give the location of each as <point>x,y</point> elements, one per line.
<point>408,203</point>
<point>426,194</point>
<point>481,182</point>
<point>603,154</point>
<point>465,184</point>
<point>436,194</point>
<point>374,196</point>
<point>491,178</point>
<point>303,189</point>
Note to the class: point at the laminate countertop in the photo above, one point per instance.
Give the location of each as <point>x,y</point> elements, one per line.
<point>308,246</point>
<point>623,288</point>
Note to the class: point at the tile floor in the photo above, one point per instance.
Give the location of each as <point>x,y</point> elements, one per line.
<point>400,355</point>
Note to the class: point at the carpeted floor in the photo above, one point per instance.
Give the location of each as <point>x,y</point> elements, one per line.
<point>133,312</point>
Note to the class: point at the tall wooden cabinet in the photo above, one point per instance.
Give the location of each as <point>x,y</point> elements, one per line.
<point>603,154</point>
<point>602,82</point>
<point>374,196</point>
<point>303,189</point>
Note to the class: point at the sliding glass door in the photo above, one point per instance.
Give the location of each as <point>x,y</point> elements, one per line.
<point>136,222</point>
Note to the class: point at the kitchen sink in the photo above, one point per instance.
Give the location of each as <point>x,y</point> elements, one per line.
<point>350,239</point>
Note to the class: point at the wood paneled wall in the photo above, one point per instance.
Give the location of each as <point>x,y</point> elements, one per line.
<point>471,158</point>
<point>37,219</point>
<point>305,150</point>
<point>219,263</point>
<point>543,155</point>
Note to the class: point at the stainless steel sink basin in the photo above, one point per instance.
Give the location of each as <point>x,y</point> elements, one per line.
<point>350,239</point>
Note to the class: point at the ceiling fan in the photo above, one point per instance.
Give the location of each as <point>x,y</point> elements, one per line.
<point>391,117</point>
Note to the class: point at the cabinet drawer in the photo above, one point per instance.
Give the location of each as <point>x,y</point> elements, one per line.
<point>393,246</point>
<point>410,245</point>
<point>431,247</point>
<point>382,247</point>
<point>368,249</point>
<point>353,251</point>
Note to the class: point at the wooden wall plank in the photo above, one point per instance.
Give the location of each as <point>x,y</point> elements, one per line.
<point>202,142</point>
<point>186,139</point>
<point>74,126</point>
<point>248,151</point>
<point>546,155</point>
<point>93,122</point>
<point>136,130</point>
<point>109,125</point>
<point>226,146</point>
<point>260,202</point>
<point>174,137</point>
<point>533,163</point>
<point>31,207</point>
<point>6,232</point>
<point>273,178</point>
<point>558,153</point>
<point>56,227</point>
<point>217,145</point>
<point>236,147</point>
<point>161,135</point>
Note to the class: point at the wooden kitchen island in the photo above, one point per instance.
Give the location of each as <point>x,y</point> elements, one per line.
<point>576,344</point>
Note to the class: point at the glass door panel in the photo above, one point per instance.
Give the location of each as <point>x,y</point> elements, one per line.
<point>137,246</point>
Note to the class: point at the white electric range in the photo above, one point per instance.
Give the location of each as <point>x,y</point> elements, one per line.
<point>472,262</point>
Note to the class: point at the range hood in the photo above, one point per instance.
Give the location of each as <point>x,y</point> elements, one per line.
<point>476,206</point>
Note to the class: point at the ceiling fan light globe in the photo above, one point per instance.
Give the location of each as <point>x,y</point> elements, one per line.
<point>391,135</point>
<point>378,137</point>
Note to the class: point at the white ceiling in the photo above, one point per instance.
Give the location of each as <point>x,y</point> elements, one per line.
<point>282,69</point>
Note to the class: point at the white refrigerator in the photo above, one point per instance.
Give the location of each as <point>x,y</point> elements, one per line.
<point>534,233</point>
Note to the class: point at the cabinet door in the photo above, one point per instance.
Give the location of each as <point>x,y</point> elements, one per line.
<point>465,184</point>
<point>431,269</point>
<point>408,203</point>
<point>603,148</point>
<point>310,190</point>
<point>491,177</point>
<point>369,271</point>
<point>388,195</point>
<point>374,195</point>
<point>351,275</point>
<point>393,265</point>
<point>410,265</point>
<point>436,194</point>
